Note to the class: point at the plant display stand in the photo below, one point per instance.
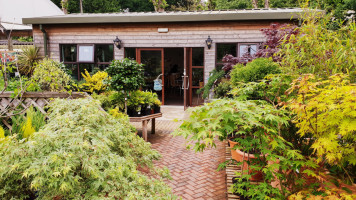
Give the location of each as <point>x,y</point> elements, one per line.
<point>145,120</point>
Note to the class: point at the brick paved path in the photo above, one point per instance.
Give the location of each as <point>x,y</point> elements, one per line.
<point>194,174</point>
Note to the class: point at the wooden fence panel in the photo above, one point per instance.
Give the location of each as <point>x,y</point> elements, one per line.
<point>36,99</point>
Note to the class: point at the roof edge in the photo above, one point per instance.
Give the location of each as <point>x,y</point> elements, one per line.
<point>234,15</point>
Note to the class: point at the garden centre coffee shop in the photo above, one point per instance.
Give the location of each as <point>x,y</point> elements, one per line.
<point>180,48</point>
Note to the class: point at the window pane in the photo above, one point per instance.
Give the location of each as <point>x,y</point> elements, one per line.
<point>130,53</point>
<point>88,67</point>
<point>104,52</point>
<point>223,50</point>
<point>197,99</point>
<point>86,53</point>
<point>198,77</point>
<point>73,70</point>
<point>198,56</point>
<point>69,53</point>
<point>247,48</point>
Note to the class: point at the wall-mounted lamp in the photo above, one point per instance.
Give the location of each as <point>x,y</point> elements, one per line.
<point>117,42</point>
<point>209,42</point>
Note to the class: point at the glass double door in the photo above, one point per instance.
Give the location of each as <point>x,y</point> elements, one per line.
<point>193,75</point>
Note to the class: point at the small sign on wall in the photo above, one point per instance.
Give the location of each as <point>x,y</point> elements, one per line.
<point>86,53</point>
<point>162,30</point>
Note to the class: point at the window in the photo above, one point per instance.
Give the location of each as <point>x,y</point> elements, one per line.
<point>223,50</point>
<point>92,57</point>
<point>197,56</point>
<point>130,53</point>
<point>235,49</point>
<point>86,53</point>
<point>247,48</point>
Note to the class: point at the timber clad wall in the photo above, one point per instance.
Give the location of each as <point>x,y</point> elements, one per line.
<point>191,34</point>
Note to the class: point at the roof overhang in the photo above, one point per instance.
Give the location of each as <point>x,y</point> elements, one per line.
<point>199,16</point>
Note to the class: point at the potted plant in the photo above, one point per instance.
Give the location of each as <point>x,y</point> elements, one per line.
<point>157,106</point>
<point>149,98</point>
<point>135,103</point>
<point>126,75</point>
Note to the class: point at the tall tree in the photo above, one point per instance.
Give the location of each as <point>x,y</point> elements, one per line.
<point>185,5</point>
<point>159,5</point>
<point>232,4</point>
<point>64,4</point>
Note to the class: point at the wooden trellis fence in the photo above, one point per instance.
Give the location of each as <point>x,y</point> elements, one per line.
<point>36,99</point>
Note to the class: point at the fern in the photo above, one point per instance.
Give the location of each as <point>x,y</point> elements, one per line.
<point>214,76</point>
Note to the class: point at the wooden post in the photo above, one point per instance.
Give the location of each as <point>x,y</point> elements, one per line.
<point>9,41</point>
<point>144,129</point>
<point>153,127</point>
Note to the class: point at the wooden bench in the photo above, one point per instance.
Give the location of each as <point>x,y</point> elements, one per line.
<point>145,119</point>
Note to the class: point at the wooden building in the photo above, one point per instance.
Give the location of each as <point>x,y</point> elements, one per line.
<point>174,44</point>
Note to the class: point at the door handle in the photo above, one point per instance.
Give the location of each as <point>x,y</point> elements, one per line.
<point>183,84</point>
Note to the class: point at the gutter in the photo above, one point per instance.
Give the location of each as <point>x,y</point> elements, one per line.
<point>44,39</point>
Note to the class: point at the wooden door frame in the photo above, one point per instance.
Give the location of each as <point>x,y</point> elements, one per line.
<point>187,79</point>
<point>138,59</point>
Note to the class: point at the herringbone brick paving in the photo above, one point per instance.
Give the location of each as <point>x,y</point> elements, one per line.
<point>194,174</point>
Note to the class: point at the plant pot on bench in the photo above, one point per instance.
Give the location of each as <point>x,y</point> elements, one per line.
<point>246,156</point>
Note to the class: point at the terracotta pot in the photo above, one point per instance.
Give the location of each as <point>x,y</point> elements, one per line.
<point>234,154</point>
<point>258,174</point>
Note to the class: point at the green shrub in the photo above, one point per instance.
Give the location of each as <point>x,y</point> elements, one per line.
<point>253,71</point>
<point>110,100</point>
<point>126,75</point>
<point>223,89</point>
<point>82,153</point>
<point>271,89</point>
<point>14,84</point>
<point>259,123</point>
<point>50,75</point>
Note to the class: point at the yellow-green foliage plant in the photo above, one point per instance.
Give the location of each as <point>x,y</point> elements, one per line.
<point>327,110</point>
<point>2,132</point>
<point>95,83</point>
<point>81,153</point>
<point>318,50</point>
<point>27,129</point>
<point>117,114</point>
<point>24,125</point>
<point>51,76</point>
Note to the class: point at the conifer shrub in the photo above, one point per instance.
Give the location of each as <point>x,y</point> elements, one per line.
<point>82,153</point>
